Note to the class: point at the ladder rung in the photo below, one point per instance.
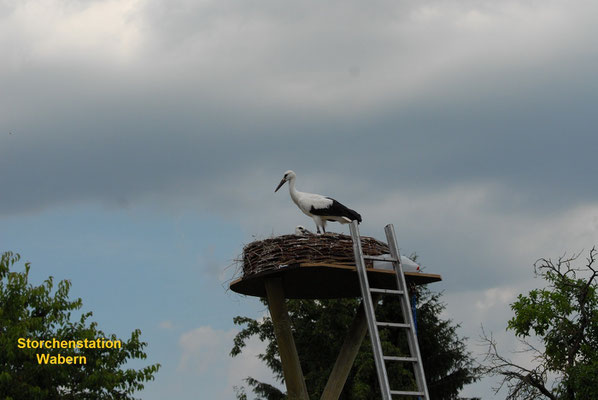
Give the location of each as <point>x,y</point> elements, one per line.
<point>405,359</point>
<point>393,324</point>
<point>406,393</point>
<point>386,291</point>
<point>378,258</point>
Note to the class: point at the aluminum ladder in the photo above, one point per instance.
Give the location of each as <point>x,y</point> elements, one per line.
<point>366,292</point>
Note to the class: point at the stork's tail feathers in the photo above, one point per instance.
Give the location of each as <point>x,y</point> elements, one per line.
<point>356,216</point>
<point>344,211</point>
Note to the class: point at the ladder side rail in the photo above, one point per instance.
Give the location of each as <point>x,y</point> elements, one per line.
<point>406,309</point>
<point>369,312</point>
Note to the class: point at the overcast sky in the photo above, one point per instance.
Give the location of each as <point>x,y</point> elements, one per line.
<point>141,141</point>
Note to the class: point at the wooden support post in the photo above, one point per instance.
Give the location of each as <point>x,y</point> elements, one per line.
<point>291,367</point>
<point>346,356</point>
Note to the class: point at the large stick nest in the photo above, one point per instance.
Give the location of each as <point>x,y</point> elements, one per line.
<point>329,248</point>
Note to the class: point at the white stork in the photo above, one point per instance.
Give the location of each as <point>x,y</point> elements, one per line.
<point>320,208</point>
<point>301,231</point>
<point>408,264</point>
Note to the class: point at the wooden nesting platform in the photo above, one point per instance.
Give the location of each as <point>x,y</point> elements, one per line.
<point>323,281</point>
<point>315,267</point>
<point>311,267</point>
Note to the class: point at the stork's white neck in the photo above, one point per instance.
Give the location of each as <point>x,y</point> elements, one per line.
<point>293,192</point>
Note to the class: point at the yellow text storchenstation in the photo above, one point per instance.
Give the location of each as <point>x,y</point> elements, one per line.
<point>59,359</point>
<point>68,344</point>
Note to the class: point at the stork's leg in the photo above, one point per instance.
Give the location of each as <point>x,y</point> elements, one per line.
<point>318,222</point>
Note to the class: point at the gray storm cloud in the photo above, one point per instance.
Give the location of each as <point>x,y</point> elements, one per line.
<point>114,101</point>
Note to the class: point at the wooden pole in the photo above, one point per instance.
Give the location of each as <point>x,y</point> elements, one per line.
<point>291,367</point>
<point>346,357</point>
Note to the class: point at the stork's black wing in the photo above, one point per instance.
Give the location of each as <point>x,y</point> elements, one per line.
<point>336,209</point>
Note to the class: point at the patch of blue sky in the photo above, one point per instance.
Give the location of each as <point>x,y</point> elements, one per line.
<point>136,268</point>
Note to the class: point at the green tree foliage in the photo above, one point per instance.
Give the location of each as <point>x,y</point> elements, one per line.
<point>564,318</point>
<point>42,313</point>
<point>320,327</point>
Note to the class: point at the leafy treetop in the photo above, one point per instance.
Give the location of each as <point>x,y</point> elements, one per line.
<point>42,313</point>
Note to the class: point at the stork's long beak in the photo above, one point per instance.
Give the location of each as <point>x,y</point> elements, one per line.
<point>279,185</point>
